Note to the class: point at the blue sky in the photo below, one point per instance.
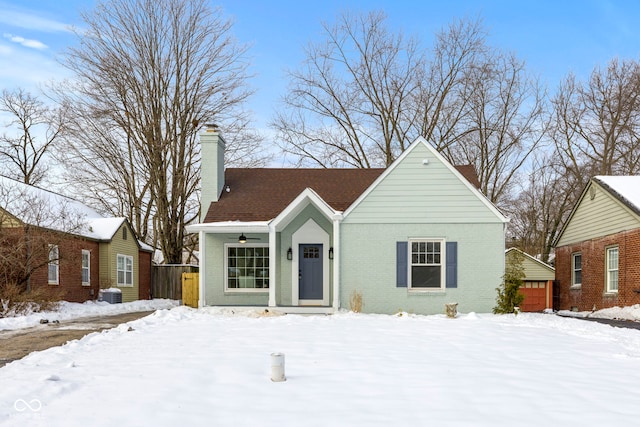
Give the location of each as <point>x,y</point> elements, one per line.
<point>553,37</point>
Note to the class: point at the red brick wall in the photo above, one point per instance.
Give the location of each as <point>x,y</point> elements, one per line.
<point>144,275</point>
<point>70,285</point>
<point>70,248</point>
<point>592,292</point>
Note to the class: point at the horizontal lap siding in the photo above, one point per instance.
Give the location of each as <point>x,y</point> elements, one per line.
<point>601,216</point>
<point>535,271</point>
<point>417,193</point>
<point>127,247</point>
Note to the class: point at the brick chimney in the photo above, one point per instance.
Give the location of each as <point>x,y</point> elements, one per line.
<point>212,167</point>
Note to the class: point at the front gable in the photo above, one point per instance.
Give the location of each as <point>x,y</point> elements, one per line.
<point>596,214</point>
<point>422,187</point>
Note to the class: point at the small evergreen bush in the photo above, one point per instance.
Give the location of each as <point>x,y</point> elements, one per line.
<point>509,296</point>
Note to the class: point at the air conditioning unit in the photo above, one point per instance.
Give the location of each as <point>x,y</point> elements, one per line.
<point>110,296</point>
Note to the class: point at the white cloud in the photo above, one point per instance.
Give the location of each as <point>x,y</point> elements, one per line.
<point>28,68</point>
<point>34,44</point>
<point>30,20</point>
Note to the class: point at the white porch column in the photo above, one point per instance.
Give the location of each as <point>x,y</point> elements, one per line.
<point>336,264</point>
<point>201,269</point>
<point>272,265</point>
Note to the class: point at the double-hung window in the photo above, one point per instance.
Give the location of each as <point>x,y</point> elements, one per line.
<point>86,267</point>
<point>247,268</point>
<point>124,270</point>
<point>54,265</point>
<point>611,260</point>
<point>576,270</point>
<point>426,264</point>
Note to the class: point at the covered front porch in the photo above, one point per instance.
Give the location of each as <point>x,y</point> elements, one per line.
<point>289,264</point>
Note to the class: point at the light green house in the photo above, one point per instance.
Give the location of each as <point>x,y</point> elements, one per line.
<point>413,237</point>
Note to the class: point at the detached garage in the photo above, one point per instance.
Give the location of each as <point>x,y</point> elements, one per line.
<point>538,282</point>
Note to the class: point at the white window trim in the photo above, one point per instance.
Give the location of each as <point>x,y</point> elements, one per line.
<point>608,270</point>
<point>55,263</point>
<point>125,284</point>
<point>573,270</point>
<point>88,253</point>
<point>226,269</point>
<point>443,264</point>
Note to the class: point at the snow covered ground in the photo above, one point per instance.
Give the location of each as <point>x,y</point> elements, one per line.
<point>212,367</point>
<point>73,310</point>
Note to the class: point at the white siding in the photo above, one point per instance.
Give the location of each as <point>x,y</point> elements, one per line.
<point>599,216</point>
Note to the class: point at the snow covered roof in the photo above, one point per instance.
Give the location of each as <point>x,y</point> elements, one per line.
<point>42,208</point>
<point>625,188</point>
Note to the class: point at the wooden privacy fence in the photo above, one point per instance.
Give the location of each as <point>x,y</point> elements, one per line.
<point>167,280</point>
<point>190,289</point>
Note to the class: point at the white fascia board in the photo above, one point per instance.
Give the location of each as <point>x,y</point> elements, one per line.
<point>299,203</point>
<point>230,227</point>
<point>532,258</point>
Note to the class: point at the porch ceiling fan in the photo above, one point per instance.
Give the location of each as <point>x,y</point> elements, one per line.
<point>243,239</point>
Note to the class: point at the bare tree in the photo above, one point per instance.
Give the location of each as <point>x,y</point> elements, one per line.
<point>345,106</point>
<point>34,128</point>
<point>149,74</point>
<point>504,121</point>
<point>542,206</point>
<point>597,123</point>
<point>441,103</point>
<point>365,93</point>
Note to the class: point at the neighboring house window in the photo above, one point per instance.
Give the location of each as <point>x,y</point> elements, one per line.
<point>125,270</point>
<point>86,267</point>
<point>54,265</point>
<point>124,233</point>
<point>576,269</point>
<point>426,264</point>
<point>612,269</point>
<point>247,268</point>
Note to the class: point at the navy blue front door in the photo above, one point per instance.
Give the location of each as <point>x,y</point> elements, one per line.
<point>310,275</point>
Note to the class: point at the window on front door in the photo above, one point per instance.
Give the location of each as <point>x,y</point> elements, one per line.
<point>426,265</point>
<point>576,270</point>
<point>612,269</point>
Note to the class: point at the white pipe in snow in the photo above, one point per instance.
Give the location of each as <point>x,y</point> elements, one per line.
<point>277,367</point>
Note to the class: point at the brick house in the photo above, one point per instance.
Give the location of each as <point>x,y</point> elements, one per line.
<point>57,243</point>
<point>598,250</point>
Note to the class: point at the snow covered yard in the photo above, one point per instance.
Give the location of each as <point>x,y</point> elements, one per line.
<point>74,310</point>
<point>212,367</point>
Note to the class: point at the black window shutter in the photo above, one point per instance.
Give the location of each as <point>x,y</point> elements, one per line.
<point>401,264</point>
<point>452,264</point>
